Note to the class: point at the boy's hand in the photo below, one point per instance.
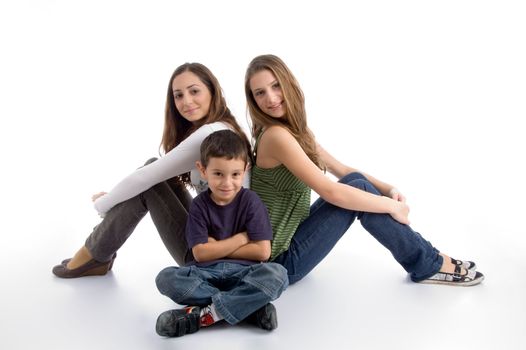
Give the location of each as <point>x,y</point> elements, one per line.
<point>218,249</point>
<point>244,237</point>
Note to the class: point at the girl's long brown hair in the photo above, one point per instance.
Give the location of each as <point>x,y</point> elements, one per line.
<point>177,128</point>
<point>295,118</point>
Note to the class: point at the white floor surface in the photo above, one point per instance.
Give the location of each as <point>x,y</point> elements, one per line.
<point>357,298</point>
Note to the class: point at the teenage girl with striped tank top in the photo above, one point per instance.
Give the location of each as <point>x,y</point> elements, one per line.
<point>289,164</point>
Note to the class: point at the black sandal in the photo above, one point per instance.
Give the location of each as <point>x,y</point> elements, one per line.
<point>468,265</point>
<point>469,278</point>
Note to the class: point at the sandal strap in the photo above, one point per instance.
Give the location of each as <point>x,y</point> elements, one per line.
<point>468,265</point>
<point>456,276</point>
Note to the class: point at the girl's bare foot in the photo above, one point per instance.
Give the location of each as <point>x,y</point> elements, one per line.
<point>80,258</point>
<point>448,266</point>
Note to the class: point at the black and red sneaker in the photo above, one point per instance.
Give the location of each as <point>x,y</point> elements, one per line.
<point>265,318</point>
<point>178,322</point>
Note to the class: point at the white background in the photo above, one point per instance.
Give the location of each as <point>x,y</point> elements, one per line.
<point>425,95</point>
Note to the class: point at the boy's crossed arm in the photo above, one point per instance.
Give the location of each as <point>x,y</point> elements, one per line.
<point>237,246</point>
<point>253,250</point>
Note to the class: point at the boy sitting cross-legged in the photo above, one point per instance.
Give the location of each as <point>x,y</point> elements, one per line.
<point>229,232</point>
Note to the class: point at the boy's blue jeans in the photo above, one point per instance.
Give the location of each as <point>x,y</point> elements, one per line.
<point>236,290</point>
<point>326,224</point>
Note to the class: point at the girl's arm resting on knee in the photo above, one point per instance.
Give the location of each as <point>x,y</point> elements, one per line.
<point>253,250</point>
<point>279,144</point>
<point>215,249</point>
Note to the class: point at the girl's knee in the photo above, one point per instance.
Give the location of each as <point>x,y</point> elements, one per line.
<point>352,177</point>
<point>364,185</point>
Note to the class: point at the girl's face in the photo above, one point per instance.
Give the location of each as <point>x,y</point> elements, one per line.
<point>267,93</point>
<point>191,96</point>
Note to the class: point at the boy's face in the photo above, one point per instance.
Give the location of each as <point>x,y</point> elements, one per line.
<point>224,177</point>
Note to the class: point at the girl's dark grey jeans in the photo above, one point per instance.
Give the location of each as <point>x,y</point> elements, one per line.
<point>168,203</point>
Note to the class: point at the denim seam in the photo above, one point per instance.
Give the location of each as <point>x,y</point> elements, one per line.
<point>268,292</point>
<point>223,311</point>
<point>189,291</point>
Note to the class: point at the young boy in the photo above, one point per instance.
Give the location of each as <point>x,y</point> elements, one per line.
<point>229,232</point>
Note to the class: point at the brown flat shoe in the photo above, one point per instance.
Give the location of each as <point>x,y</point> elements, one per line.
<point>91,268</point>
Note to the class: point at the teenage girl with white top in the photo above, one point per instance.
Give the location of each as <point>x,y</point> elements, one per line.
<point>195,108</point>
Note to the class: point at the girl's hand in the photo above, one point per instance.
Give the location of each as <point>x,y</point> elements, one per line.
<point>97,195</point>
<point>396,195</point>
<point>400,212</point>
<point>211,239</point>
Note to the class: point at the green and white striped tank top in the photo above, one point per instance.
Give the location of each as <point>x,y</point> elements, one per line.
<point>287,200</point>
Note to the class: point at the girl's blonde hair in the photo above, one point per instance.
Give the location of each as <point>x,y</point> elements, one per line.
<point>295,118</point>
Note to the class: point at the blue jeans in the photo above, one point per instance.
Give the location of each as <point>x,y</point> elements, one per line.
<point>236,290</point>
<point>326,224</point>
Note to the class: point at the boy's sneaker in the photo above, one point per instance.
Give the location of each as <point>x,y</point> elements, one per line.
<point>264,318</point>
<point>178,322</point>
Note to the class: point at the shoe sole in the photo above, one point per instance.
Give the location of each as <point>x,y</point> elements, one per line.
<point>99,269</point>
<point>451,283</point>
<point>170,325</point>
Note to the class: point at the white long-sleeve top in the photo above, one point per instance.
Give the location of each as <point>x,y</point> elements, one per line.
<point>178,161</point>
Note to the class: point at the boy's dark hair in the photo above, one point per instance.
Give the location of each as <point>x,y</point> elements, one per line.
<point>224,144</point>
